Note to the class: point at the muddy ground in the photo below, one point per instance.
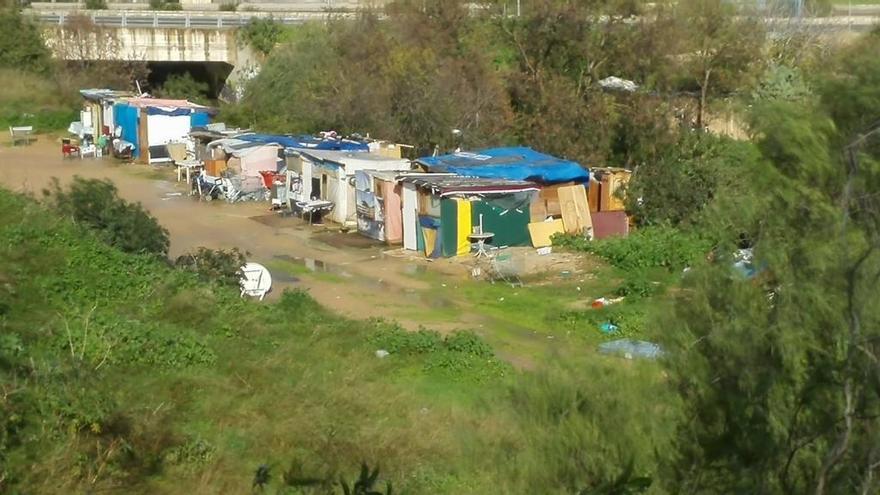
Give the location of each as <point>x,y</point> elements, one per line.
<point>344,272</point>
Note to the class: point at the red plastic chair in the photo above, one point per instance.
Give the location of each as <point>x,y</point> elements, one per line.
<point>69,150</point>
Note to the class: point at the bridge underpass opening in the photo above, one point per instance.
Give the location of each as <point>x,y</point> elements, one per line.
<point>214,74</point>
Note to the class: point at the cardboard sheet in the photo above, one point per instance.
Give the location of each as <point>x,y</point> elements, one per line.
<point>542,231</point>
<point>575,210</point>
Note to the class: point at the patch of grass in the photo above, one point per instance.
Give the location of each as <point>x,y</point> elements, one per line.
<point>201,387</point>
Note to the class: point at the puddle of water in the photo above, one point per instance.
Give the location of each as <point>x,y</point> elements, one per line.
<point>415,269</point>
<point>315,266</point>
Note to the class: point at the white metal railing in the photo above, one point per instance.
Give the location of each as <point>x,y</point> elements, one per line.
<point>194,20</point>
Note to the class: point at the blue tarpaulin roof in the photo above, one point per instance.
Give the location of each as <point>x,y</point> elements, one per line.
<point>519,163</point>
<point>306,142</point>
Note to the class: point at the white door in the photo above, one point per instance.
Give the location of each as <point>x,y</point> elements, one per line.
<point>410,216</point>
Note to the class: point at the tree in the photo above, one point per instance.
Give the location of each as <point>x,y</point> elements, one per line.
<point>185,87</point>
<point>780,374</point>
<point>95,56</point>
<point>21,46</point>
<point>720,47</point>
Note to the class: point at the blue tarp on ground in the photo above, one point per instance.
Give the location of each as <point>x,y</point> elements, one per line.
<point>306,142</point>
<point>630,349</point>
<point>127,117</point>
<point>518,163</point>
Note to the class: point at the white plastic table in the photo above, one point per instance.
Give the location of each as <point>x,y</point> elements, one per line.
<point>481,239</point>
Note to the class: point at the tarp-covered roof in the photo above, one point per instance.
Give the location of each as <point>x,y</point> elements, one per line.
<point>448,184</point>
<point>238,147</point>
<point>96,94</point>
<point>516,163</point>
<point>307,142</point>
<point>164,103</point>
<point>343,157</point>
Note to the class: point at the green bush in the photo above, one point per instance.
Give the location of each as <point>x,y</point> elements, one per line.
<point>41,120</point>
<point>185,87</point>
<point>649,247</point>
<point>261,34</point>
<point>214,265</point>
<point>96,4</point>
<point>96,204</point>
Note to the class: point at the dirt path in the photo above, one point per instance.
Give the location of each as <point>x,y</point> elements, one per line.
<point>350,280</point>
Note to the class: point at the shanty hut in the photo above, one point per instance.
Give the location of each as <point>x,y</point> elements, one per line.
<point>440,212</point>
<point>96,116</point>
<point>150,124</point>
<point>329,175</point>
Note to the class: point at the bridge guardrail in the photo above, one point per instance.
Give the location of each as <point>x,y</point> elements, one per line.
<point>206,20</point>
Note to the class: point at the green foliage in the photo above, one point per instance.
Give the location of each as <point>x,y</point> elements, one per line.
<point>95,204</point>
<point>589,430</point>
<point>773,371</point>
<point>214,265</point>
<point>685,176</point>
<point>460,355</point>
<point>782,83</point>
<point>96,4</point>
<point>43,120</point>
<point>22,47</point>
<point>228,6</point>
<point>184,87</point>
<point>262,34</point>
<point>167,5</point>
<point>650,247</point>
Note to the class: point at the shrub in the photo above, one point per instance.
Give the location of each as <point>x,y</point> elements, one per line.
<point>96,204</point>
<point>184,86</point>
<point>261,34</point>
<point>228,6</point>
<point>96,4</point>
<point>650,247</point>
<point>214,265</point>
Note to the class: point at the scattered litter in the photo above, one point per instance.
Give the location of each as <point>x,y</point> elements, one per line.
<point>476,272</point>
<point>424,410</point>
<point>579,288</point>
<point>173,194</point>
<point>550,337</point>
<point>565,273</point>
<point>631,349</point>
<point>501,299</point>
<point>442,285</point>
<point>602,302</point>
<point>544,251</point>
<point>614,82</point>
<point>382,353</point>
<point>608,327</point>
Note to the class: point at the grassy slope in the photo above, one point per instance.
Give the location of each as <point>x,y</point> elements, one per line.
<point>127,373</point>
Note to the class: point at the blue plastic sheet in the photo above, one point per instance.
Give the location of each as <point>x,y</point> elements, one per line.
<point>127,117</point>
<point>306,142</point>
<point>518,163</point>
<point>199,119</point>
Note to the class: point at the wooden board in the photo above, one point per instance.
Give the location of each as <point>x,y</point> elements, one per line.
<point>575,210</point>
<point>593,195</point>
<point>541,232</point>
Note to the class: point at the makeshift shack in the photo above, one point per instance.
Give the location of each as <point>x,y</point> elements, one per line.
<point>245,165</point>
<point>378,207</point>
<point>329,175</point>
<point>96,116</point>
<point>441,211</point>
<point>150,124</point>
